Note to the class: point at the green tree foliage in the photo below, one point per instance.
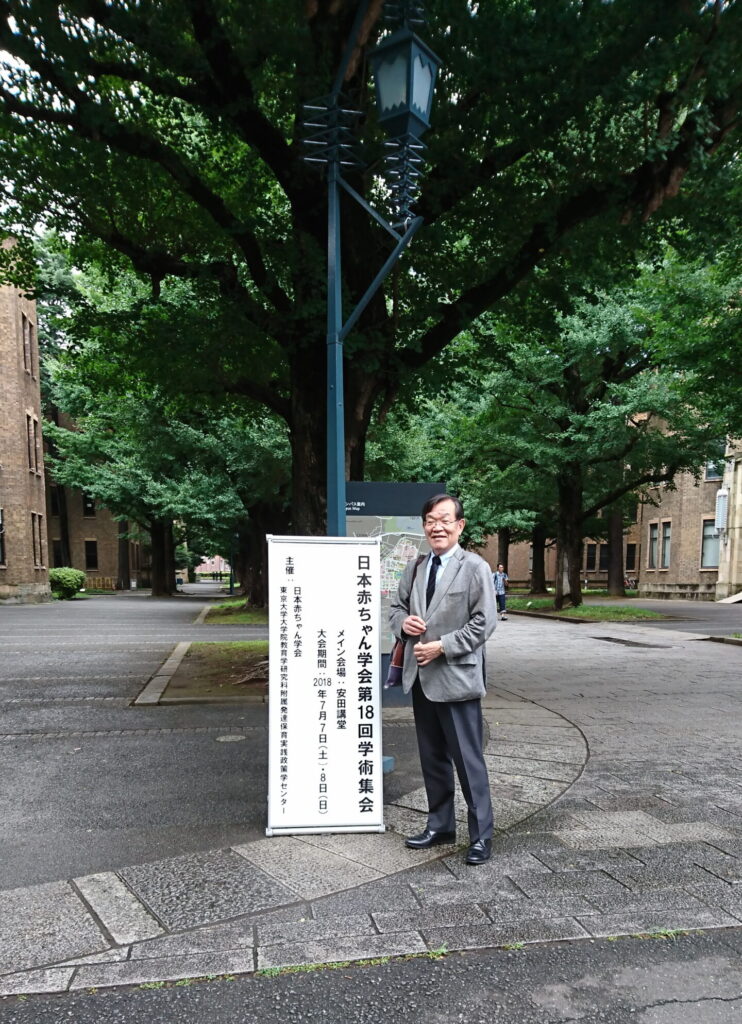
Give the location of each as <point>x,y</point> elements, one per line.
<point>213,468</point>
<point>577,414</point>
<point>165,136</point>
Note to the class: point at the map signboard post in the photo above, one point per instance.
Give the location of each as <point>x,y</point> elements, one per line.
<point>391,512</point>
<point>325,767</point>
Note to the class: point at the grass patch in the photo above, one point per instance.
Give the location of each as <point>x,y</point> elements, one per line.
<point>592,612</point>
<point>216,671</point>
<point>236,612</point>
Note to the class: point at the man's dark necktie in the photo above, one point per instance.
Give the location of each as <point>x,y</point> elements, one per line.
<point>430,590</point>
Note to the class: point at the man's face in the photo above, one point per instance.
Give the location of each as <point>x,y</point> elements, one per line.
<point>442,528</point>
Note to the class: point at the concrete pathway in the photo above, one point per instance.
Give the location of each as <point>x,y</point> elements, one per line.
<point>646,838</point>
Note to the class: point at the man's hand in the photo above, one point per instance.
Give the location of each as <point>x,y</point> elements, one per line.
<point>425,653</point>
<point>413,625</point>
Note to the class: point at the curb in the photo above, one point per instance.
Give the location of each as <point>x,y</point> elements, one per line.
<point>157,685</point>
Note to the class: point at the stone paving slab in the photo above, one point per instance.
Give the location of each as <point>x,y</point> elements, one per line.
<point>514,933</point>
<point>124,917</point>
<point>302,869</point>
<point>643,920</point>
<point>196,889</point>
<point>36,982</point>
<point>138,972</point>
<point>340,949</point>
<point>45,924</point>
<point>274,933</point>
<point>233,936</point>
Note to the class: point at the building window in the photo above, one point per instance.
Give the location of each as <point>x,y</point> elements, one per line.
<point>603,558</point>
<point>2,538</point>
<point>36,539</point>
<point>666,535</point>
<point>630,557</point>
<point>30,438</point>
<point>54,499</point>
<point>40,529</point>
<point>590,557</point>
<point>652,546</point>
<point>27,344</point>
<point>709,545</point>
<point>57,561</point>
<point>714,469</point>
<point>88,506</point>
<point>91,554</point>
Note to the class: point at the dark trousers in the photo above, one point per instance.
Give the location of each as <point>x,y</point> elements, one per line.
<point>450,734</point>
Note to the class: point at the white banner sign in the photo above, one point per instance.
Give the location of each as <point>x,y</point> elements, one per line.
<point>325,766</point>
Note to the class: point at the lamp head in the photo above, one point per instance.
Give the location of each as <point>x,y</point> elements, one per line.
<point>405,70</point>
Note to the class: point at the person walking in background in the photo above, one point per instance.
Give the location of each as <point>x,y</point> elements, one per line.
<point>445,612</point>
<point>500,579</point>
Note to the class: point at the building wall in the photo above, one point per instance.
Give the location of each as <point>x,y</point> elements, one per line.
<point>97,546</point>
<point>84,535</point>
<point>729,581</point>
<point>519,559</point>
<point>23,546</point>
<point>681,513</point>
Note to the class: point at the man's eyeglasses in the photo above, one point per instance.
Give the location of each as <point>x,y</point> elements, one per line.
<point>429,523</point>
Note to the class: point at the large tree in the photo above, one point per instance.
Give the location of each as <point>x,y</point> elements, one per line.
<point>170,132</point>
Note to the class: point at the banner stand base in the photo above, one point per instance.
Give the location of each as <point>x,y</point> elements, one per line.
<point>314,831</point>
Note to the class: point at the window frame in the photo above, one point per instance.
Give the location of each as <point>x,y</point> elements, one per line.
<point>713,536</point>
<point>88,566</point>
<point>665,551</point>
<point>653,538</point>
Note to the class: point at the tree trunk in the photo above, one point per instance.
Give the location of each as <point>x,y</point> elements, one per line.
<point>569,540</point>
<point>163,578</point>
<point>615,552</point>
<point>170,555</point>
<point>307,433</point>
<point>538,564</point>
<point>124,574</point>
<point>503,546</point>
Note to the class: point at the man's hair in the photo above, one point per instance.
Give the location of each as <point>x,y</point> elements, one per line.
<point>437,499</point>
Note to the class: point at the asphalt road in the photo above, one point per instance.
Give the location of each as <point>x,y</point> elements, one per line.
<point>707,617</point>
<point>90,783</point>
<point>686,980</point>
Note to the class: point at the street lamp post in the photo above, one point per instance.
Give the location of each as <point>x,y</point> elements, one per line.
<point>404,71</point>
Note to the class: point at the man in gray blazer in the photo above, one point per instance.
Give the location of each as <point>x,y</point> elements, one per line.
<point>445,610</point>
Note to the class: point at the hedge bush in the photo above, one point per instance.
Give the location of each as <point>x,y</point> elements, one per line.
<point>66,582</point>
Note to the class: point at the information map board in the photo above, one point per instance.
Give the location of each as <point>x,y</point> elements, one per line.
<point>324,757</point>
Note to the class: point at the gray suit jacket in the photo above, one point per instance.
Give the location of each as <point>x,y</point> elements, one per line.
<point>462,615</point>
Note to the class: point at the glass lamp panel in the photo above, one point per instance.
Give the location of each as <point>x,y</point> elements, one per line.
<point>422,86</point>
<point>391,77</point>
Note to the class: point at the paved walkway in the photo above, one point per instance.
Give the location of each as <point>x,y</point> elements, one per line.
<point>614,754</point>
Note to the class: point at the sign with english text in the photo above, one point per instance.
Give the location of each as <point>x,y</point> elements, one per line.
<point>324,750</point>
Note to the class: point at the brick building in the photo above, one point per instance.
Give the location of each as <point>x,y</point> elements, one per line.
<point>594,569</point>
<point>84,535</point>
<point>23,542</point>
<point>680,545</point>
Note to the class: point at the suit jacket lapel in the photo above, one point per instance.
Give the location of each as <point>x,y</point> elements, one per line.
<point>444,582</point>
<point>418,589</point>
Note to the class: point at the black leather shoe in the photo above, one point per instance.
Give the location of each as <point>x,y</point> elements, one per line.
<point>428,838</point>
<point>479,852</point>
